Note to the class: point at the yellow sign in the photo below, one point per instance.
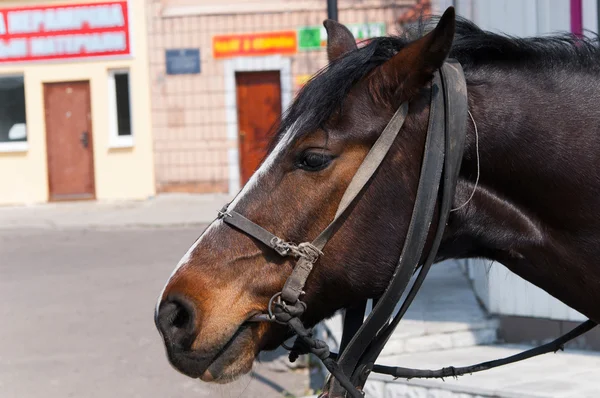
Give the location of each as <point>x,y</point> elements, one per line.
<point>284,42</point>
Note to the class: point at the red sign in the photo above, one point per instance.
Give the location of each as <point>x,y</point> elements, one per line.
<point>284,42</point>
<point>64,32</point>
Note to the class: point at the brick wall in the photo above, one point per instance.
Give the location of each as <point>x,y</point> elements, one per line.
<point>189,113</point>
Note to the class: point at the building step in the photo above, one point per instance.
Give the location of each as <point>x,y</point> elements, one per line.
<point>444,315</point>
<point>486,333</point>
<point>413,336</point>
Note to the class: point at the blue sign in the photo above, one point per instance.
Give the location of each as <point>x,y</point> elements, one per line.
<point>183,61</point>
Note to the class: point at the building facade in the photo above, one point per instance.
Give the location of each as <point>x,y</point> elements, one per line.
<point>74,101</point>
<point>223,72</point>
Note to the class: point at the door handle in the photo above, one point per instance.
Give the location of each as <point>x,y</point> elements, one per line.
<point>85,140</point>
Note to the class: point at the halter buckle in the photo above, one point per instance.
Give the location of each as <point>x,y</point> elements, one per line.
<point>223,212</point>
<point>282,247</point>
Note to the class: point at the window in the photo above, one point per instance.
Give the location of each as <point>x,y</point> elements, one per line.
<point>121,134</point>
<point>13,132</point>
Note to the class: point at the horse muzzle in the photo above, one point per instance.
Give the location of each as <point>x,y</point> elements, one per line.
<point>175,321</point>
<point>224,360</point>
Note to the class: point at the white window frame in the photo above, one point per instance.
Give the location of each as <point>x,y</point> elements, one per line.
<point>16,146</point>
<point>19,146</point>
<point>115,140</point>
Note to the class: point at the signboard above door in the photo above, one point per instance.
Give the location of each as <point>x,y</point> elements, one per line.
<point>315,37</point>
<point>59,32</point>
<point>253,44</point>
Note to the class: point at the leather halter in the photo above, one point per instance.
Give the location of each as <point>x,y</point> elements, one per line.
<point>362,342</point>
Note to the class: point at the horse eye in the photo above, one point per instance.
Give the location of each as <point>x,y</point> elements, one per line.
<point>314,161</point>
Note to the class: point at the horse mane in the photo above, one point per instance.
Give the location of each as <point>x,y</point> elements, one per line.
<point>323,95</point>
<point>474,47</point>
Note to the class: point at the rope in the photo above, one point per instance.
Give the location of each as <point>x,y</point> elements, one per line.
<point>478,166</point>
<point>306,343</point>
<point>306,249</point>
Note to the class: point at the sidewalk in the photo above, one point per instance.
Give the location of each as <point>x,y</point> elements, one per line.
<point>162,210</point>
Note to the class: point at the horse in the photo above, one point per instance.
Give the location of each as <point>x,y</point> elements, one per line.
<point>527,193</point>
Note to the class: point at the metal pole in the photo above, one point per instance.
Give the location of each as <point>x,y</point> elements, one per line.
<point>332,9</point>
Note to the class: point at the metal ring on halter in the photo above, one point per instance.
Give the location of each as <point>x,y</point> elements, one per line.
<point>275,296</point>
<point>278,302</point>
<point>269,317</point>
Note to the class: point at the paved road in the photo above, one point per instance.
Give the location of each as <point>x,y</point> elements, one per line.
<point>76,318</point>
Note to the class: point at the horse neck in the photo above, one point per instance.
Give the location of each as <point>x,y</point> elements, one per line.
<point>497,183</point>
<point>537,190</point>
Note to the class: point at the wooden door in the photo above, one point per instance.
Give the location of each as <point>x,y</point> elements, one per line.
<point>69,140</point>
<point>259,108</point>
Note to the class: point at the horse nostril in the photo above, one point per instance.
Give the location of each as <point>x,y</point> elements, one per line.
<point>182,318</point>
<point>175,321</point>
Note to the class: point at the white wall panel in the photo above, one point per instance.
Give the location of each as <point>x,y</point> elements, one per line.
<point>501,291</point>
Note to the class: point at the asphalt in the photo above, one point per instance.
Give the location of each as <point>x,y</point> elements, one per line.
<point>76,317</point>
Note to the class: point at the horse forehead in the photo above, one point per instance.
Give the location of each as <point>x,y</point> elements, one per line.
<point>287,139</point>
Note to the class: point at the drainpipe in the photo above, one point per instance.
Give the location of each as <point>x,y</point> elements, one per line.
<point>332,9</point>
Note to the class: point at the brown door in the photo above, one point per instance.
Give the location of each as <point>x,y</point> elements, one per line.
<point>69,140</point>
<point>259,107</point>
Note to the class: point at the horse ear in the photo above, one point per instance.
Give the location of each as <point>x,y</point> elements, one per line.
<point>339,39</point>
<point>415,64</point>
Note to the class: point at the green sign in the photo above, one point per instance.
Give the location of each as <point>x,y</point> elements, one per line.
<point>315,37</point>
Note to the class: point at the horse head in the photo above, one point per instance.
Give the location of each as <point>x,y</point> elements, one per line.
<point>227,276</point>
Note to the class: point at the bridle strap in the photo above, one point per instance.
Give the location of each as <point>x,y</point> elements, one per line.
<point>249,227</point>
<point>449,128</point>
<point>351,360</point>
<point>455,127</point>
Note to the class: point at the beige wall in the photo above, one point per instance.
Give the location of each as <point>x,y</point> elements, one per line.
<point>195,141</point>
<point>120,173</point>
